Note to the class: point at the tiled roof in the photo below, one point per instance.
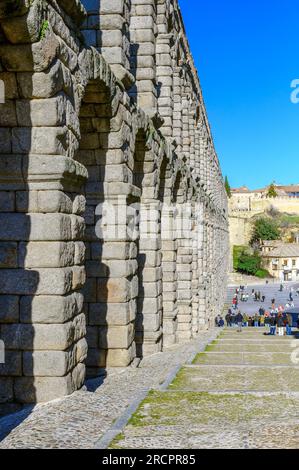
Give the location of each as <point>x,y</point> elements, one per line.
<point>285,250</point>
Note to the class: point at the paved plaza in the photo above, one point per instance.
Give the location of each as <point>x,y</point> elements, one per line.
<point>223,390</point>
<point>270,291</point>
<point>242,392</point>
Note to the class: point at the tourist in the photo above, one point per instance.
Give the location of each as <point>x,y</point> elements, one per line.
<point>288,329</point>
<point>267,321</point>
<point>263,298</point>
<point>239,320</point>
<point>256,320</point>
<point>261,311</point>
<point>262,321</point>
<point>281,288</point>
<point>245,320</point>
<point>259,296</point>
<point>280,325</point>
<point>228,318</point>
<point>273,325</point>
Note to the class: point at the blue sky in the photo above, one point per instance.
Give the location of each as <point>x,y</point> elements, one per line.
<point>247,54</point>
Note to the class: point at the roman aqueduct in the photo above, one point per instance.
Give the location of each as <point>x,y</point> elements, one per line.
<point>113,214</point>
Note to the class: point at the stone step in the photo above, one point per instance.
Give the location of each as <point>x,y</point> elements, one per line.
<point>241,378</point>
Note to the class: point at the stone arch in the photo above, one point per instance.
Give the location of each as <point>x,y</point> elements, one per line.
<point>94,120</point>
<point>109,289</point>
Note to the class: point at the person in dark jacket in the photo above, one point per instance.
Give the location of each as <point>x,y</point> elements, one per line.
<point>280,325</point>
<point>228,319</point>
<point>239,320</point>
<point>273,324</point>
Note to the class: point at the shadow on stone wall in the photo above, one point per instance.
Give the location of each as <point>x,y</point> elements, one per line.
<point>18,283</point>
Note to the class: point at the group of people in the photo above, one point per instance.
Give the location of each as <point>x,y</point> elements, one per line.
<point>281,321</point>
<point>275,319</point>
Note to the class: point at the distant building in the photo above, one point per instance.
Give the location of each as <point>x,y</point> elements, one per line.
<point>246,205</point>
<point>244,199</point>
<point>268,245</point>
<point>282,260</point>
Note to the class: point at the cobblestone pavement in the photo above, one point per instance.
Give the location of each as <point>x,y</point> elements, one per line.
<point>80,420</point>
<point>242,392</point>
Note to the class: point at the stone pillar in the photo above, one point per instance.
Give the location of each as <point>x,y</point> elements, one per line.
<point>177,108</point>
<point>195,269</point>
<point>143,31</point>
<point>113,37</point>
<point>197,153</point>
<point>201,279</point>
<point>42,254</point>
<point>184,269</point>
<point>169,276</point>
<point>165,82</point>
<point>149,303</point>
<point>185,121</point>
<point>192,137</point>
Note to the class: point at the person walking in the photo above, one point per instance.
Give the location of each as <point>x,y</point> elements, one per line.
<point>263,298</point>
<point>261,311</point>
<point>273,325</point>
<point>288,328</point>
<point>267,322</point>
<point>239,320</point>
<point>280,325</point>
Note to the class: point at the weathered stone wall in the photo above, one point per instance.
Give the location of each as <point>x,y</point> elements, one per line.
<point>113,223</point>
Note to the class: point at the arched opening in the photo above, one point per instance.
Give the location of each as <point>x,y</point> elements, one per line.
<point>95,115</point>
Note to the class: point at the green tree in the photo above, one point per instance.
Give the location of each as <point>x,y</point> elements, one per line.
<point>272,191</point>
<point>264,229</point>
<point>227,188</point>
<point>249,264</point>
